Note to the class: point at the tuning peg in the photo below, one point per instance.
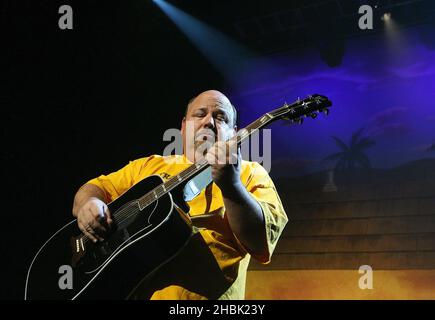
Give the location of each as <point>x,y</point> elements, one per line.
<point>298,120</point>
<point>325,111</point>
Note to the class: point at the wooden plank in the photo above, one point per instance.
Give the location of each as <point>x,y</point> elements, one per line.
<point>361,226</point>
<point>377,260</point>
<point>358,243</point>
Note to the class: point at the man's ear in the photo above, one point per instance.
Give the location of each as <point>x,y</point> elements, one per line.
<point>183,125</point>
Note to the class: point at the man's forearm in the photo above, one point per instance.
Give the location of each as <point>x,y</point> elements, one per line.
<point>84,194</point>
<point>246,218</point>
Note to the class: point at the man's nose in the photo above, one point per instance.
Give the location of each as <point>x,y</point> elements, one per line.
<point>209,122</point>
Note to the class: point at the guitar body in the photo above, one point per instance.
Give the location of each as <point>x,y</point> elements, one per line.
<point>143,239</point>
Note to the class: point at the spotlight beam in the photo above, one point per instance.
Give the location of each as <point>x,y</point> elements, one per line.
<point>222,52</point>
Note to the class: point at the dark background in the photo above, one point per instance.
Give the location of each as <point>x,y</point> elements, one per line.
<point>81,102</point>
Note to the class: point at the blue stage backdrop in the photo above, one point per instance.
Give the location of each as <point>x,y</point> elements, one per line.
<point>385,87</point>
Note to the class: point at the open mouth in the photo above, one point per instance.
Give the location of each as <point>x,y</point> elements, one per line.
<point>205,137</point>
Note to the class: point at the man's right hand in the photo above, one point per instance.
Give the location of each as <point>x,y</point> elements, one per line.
<point>94,219</point>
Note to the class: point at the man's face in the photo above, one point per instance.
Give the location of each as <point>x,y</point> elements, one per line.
<point>210,118</point>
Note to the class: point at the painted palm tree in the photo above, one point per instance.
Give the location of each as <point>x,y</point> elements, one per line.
<point>353,155</point>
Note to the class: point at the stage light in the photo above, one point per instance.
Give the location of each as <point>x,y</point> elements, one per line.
<point>386,17</point>
<point>395,40</point>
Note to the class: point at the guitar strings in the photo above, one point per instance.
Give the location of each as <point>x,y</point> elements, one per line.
<point>123,215</point>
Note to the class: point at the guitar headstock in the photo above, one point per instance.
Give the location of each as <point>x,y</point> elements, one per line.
<point>308,107</point>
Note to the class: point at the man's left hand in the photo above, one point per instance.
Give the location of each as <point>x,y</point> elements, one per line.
<point>225,160</point>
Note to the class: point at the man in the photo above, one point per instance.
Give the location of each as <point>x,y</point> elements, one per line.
<point>240,213</point>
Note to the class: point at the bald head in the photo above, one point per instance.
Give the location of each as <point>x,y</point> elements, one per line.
<point>214,97</point>
<point>210,117</point>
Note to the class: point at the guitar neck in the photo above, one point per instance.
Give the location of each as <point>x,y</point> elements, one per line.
<point>294,112</point>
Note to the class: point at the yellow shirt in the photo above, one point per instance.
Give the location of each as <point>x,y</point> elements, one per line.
<point>219,270</point>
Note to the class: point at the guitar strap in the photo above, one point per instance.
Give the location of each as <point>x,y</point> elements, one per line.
<point>197,184</point>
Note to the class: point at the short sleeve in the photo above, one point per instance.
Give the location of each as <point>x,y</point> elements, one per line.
<point>262,188</point>
<point>116,183</point>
